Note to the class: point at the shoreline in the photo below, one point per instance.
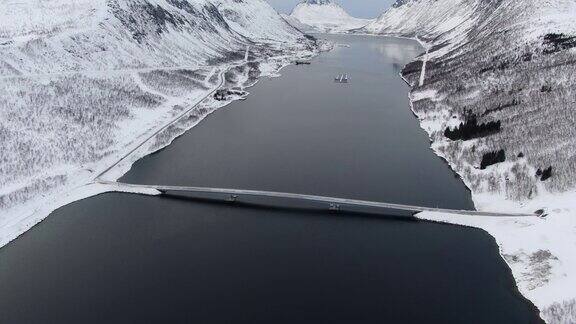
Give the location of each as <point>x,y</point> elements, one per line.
<point>510,244</point>
<point>80,189</point>
<point>426,215</point>
<point>82,186</point>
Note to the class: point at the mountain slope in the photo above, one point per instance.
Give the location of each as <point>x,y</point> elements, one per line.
<point>523,49</point>
<point>104,34</point>
<point>326,16</point>
<point>496,95</point>
<point>84,82</point>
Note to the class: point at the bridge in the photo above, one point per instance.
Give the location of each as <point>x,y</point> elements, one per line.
<point>332,203</point>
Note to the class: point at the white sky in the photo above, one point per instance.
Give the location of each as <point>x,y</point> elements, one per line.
<point>357,8</point>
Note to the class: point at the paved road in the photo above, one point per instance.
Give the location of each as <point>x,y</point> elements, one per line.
<point>332,202</point>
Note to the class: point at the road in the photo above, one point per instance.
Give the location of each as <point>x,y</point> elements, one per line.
<point>163,128</point>
<point>333,203</point>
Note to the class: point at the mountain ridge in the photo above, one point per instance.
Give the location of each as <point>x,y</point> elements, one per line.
<point>324,16</point>
<point>133,28</point>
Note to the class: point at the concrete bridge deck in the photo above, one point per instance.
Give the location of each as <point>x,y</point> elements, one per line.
<point>332,203</point>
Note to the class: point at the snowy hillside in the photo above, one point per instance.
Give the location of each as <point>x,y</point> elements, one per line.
<point>298,25</point>
<point>101,34</point>
<point>83,83</point>
<point>324,16</point>
<point>497,95</point>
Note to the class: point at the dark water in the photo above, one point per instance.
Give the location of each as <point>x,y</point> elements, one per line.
<point>125,258</point>
<point>304,133</point>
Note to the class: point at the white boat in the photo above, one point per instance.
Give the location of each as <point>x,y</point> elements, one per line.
<point>341,78</point>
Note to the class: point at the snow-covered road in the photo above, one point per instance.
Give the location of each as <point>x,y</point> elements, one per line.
<point>162,128</point>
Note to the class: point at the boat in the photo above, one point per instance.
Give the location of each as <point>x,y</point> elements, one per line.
<point>341,78</point>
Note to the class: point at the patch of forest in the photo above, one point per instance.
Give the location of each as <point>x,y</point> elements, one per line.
<point>412,67</point>
<point>492,158</point>
<point>472,129</point>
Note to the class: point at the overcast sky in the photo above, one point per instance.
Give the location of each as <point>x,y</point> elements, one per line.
<point>357,8</point>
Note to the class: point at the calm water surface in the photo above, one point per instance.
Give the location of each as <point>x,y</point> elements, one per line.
<point>125,258</point>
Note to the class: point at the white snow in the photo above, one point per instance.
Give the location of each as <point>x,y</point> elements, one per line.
<point>521,241</point>
<point>324,17</point>
<point>86,83</point>
<point>540,251</point>
<point>424,17</point>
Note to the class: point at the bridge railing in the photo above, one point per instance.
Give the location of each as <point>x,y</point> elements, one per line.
<point>333,203</point>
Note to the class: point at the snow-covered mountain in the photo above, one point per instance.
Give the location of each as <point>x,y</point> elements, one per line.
<point>299,25</point>
<point>84,82</point>
<point>50,36</point>
<point>324,16</point>
<point>496,61</point>
<point>496,93</point>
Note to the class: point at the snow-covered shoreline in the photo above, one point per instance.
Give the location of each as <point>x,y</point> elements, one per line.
<point>521,240</point>
<point>538,250</point>
<point>106,82</point>
<point>40,174</point>
<point>489,63</point>
<point>85,185</point>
